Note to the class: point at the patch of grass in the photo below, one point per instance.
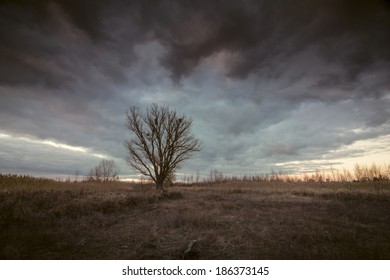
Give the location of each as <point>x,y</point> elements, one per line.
<point>197,219</point>
<point>173,195</point>
<point>357,196</point>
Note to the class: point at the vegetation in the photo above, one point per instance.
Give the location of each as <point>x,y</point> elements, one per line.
<point>361,173</point>
<point>46,219</point>
<point>161,141</point>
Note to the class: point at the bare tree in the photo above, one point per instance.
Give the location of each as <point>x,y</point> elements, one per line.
<point>161,142</point>
<point>107,170</point>
<point>77,174</point>
<point>91,175</point>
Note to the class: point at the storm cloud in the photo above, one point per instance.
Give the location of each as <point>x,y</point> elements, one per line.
<point>265,82</point>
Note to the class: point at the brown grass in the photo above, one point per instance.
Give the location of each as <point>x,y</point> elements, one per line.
<point>230,221</point>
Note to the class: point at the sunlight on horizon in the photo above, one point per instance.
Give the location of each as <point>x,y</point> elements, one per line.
<point>366,152</point>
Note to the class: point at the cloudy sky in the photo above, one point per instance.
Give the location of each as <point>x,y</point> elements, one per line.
<point>291,85</point>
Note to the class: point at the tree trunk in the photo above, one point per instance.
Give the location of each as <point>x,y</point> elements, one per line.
<point>159,185</point>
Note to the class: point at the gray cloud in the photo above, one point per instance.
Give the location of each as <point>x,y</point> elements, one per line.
<point>265,82</point>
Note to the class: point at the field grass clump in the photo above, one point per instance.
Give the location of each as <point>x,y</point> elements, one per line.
<point>173,195</point>
<point>191,219</point>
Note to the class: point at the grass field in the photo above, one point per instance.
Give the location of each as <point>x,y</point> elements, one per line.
<point>54,220</point>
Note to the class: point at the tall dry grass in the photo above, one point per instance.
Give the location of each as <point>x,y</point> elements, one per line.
<point>230,220</point>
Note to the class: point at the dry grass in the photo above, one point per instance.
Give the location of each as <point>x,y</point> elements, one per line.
<point>229,221</point>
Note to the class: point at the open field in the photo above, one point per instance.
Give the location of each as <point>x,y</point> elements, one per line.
<point>265,220</point>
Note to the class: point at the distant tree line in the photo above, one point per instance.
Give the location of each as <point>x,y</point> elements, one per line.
<point>360,173</point>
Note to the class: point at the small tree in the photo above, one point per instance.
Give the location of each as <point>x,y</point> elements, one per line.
<point>161,142</point>
<point>107,170</point>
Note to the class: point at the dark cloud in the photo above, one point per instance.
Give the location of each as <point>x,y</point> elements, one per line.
<point>264,81</point>
<point>352,34</point>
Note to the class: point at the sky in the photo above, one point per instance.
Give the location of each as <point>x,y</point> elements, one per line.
<point>282,85</point>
